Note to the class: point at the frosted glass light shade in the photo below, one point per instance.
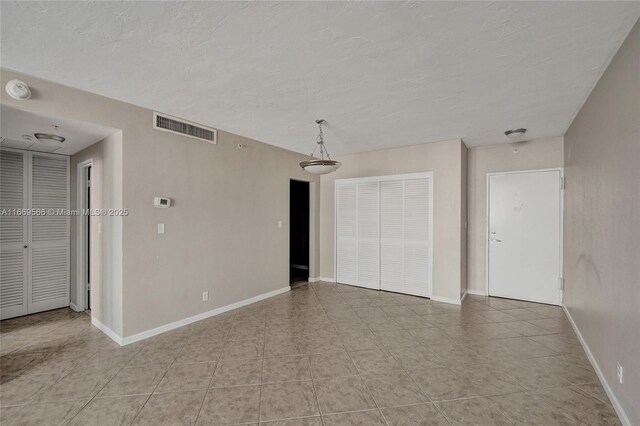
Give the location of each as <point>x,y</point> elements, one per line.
<point>320,167</point>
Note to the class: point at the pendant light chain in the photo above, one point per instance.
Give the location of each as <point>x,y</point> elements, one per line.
<point>320,166</point>
<point>323,149</point>
<point>320,142</point>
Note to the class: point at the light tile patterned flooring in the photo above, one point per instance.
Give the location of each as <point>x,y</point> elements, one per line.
<point>321,354</point>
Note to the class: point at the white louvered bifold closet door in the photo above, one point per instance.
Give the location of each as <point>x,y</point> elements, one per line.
<point>368,235</point>
<point>417,237</point>
<point>391,235</point>
<point>346,234</point>
<point>405,240</point>
<point>13,235</point>
<point>49,284</point>
<point>383,232</point>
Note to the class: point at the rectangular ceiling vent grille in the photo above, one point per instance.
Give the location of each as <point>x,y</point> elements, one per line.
<point>174,125</point>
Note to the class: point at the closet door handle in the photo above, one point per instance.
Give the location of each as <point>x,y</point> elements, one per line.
<point>25,246</point>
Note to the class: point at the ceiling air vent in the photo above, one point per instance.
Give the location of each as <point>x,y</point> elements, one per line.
<point>171,124</point>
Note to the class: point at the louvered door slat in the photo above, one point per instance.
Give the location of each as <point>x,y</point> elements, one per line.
<point>417,236</point>
<point>12,294</point>
<point>11,196</point>
<point>49,275</point>
<point>49,287</point>
<point>416,214</point>
<point>13,228</point>
<point>346,234</point>
<point>368,235</point>
<point>391,228</point>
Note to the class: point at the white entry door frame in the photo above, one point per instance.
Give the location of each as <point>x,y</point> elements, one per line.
<point>495,239</point>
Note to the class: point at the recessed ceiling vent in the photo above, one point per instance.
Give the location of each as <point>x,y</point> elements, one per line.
<point>171,124</point>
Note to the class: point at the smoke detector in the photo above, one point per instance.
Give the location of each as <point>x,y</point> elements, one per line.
<point>18,90</point>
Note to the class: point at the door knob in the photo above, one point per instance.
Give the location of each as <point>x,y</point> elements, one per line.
<point>25,246</point>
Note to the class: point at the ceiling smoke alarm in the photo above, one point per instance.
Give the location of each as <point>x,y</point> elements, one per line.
<point>18,90</point>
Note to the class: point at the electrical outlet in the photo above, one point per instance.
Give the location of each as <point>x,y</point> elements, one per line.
<point>205,296</point>
<point>619,372</point>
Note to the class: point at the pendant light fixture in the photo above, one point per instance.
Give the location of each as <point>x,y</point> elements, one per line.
<point>49,140</point>
<point>320,166</point>
<point>515,133</point>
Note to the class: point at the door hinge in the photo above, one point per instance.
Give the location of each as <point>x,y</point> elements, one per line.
<point>563,183</point>
<point>561,283</point>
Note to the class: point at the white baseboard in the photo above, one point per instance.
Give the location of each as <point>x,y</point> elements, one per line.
<point>450,300</point>
<point>313,279</point>
<point>614,401</point>
<point>74,307</point>
<point>327,279</point>
<point>477,292</point>
<point>106,330</point>
<point>464,296</point>
<point>180,323</point>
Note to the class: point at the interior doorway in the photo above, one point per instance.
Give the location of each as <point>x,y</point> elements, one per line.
<point>299,211</point>
<point>87,254</point>
<point>84,236</point>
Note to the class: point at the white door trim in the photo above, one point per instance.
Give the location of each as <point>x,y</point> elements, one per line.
<point>383,178</point>
<point>486,239</point>
<point>81,267</point>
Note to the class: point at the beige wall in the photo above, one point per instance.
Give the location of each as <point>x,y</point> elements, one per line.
<point>444,159</point>
<point>602,223</point>
<point>530,155</point>
<point>106,231</point>
<point>222,234</point>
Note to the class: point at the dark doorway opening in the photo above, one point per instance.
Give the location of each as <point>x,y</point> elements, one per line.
<point>298,231</point>
<point>88,241</point>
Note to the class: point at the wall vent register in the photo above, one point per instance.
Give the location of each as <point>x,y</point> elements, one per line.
<point>186,128</point>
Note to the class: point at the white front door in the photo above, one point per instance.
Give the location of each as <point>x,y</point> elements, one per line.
<point>524,235</point>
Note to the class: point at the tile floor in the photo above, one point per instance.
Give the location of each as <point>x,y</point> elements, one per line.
<point>321,354</point>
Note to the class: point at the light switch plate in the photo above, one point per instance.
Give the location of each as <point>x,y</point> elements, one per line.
<point>161,228</point>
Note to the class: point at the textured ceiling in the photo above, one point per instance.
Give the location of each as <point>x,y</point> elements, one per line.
<point>15,124</point>
<point>383,74</point>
